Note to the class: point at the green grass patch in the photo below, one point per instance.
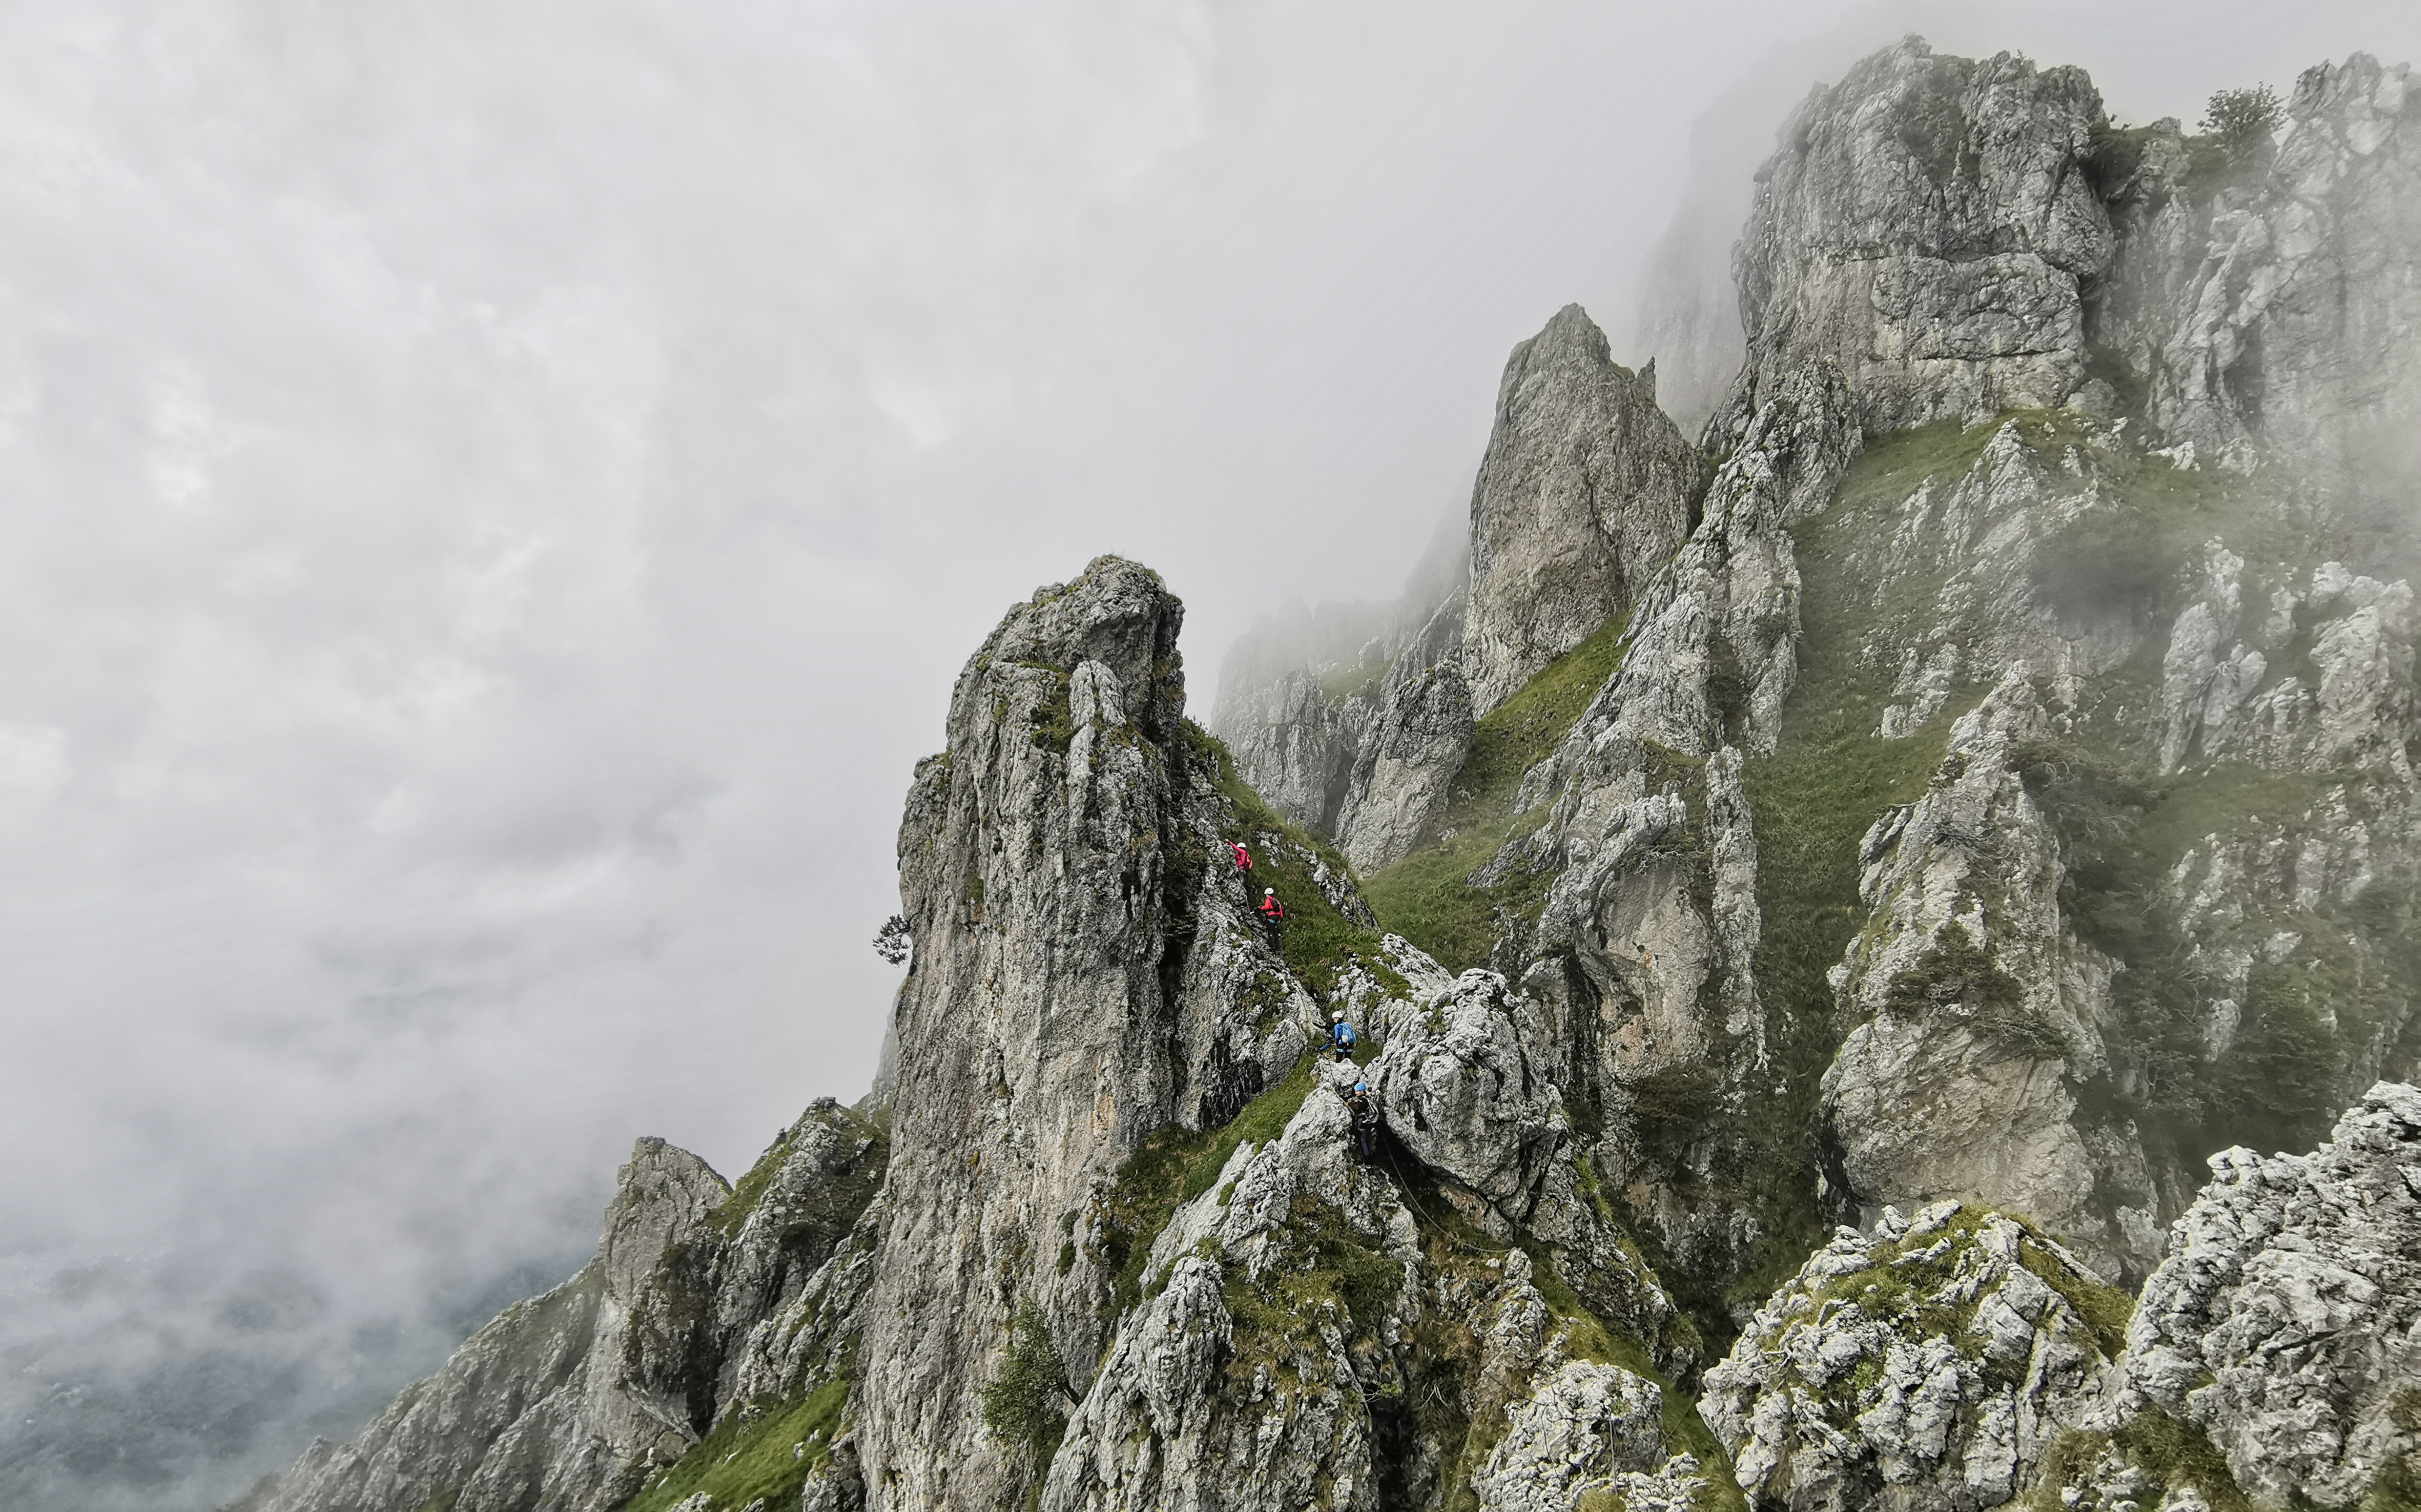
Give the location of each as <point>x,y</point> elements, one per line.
<point>2106,1310</point>
<point>1330,1274</point>
<point>1353,682</point>
<point>1052,721</point>
<point>763,1452</point>
<point>2180,1454</point>
<point>1428,897</point>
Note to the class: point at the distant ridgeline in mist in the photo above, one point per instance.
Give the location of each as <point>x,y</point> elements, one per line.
<point>1824,902</point>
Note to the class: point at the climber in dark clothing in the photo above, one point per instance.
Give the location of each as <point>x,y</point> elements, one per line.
<point>1363,1108</point>
<point>1341,1037</point>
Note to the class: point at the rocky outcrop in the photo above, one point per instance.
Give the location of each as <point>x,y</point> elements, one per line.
<point>1928,229</point>
<point>2286,1321</point>
<point>2265,295</point>
<point>2351,701</point>
<point>1977,1013</point>
<point>1593,1434</point>
<point>1410,749</point>
<point>1055,865</point>
<point>1305,1313</point>
<point>1642,955</point>
<point>699,1302</point>
<point>1928,1365</point>
<point>1585,490</point>
<point>1281,1296</point>
<point>1461,1090</point>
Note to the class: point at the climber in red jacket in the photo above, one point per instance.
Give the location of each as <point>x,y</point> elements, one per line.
<point>1243,857</point>
<point>1271,909</point>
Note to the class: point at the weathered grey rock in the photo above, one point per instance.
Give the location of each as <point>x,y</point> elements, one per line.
<point>2286,1321</point>
<point>1589,1428</point>
<point>1054,861</point>
<point>1925,1366</point>
<point>1459,1087</point>
<point>1586,489</point>
<point>568,1401</point>
<point>1975,1006</point>
<point>1198,1408</point>
<point>1405,764</point>
<point>1926,229</point>
<point>2357,705</point>
<point>2272,304</point>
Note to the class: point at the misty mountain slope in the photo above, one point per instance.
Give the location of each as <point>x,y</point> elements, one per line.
<point>1829,901</point>
<point>700,1293</point>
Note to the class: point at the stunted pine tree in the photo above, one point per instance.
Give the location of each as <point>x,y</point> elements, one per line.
<point>2241,117</point>
<point>1026,1403</point>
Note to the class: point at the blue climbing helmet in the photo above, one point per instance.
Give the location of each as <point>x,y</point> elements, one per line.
<point>1361,1086</point>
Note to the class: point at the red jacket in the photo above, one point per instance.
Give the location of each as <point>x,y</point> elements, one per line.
<point>1243,857</point>
<point>1272,907</point>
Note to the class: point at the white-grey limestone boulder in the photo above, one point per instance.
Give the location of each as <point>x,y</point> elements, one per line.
<point>2286,1321</point>
<point>1924,1367</point>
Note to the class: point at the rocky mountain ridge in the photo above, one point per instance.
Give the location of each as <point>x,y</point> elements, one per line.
<point>1827,907</point>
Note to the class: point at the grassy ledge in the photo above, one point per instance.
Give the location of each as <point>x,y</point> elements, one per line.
<point>763,1452</point>
<point>1428,897</point>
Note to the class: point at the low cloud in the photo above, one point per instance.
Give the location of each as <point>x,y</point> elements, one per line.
<point>496,499</point>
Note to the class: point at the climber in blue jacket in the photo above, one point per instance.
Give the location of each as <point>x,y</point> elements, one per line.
<point>1341,1037</point>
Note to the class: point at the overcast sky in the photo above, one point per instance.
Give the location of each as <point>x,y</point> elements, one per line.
<point>492,497</point>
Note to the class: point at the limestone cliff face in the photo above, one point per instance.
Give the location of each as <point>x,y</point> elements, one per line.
<point>1586,489</point>
<point>1928,230</point>
<point>1049,865</point>
<point>2265,296</point>
<point>2286,1321</point>
<point>1643,952</point>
